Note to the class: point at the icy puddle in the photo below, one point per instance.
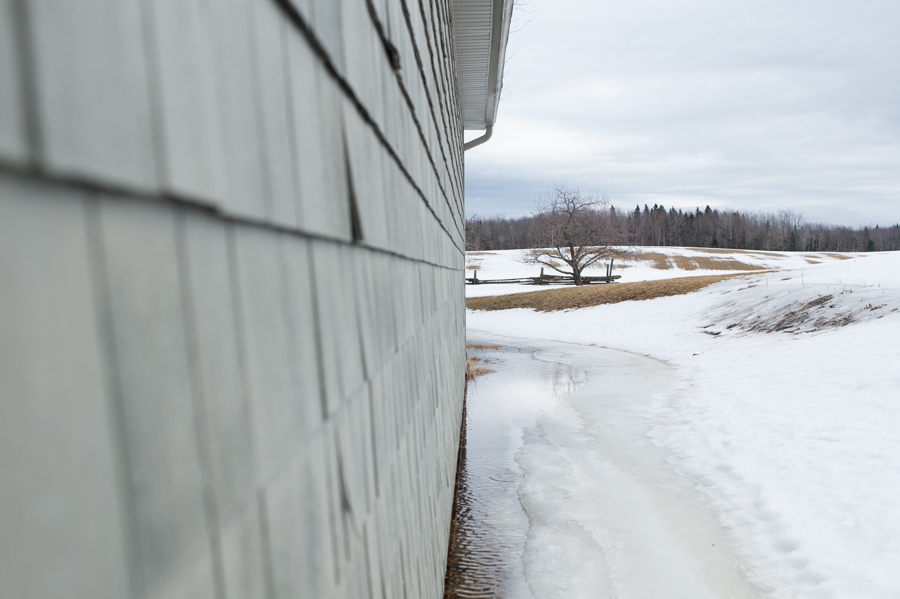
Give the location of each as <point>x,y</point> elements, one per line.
<point>564,493</point>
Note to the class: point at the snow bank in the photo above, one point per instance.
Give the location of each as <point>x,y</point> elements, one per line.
<point>793,434</point>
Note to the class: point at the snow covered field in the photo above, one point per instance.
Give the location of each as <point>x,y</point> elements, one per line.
<point>656,263</point>
<point>785,411</point>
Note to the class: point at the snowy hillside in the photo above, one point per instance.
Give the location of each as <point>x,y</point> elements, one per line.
<point>786,412</point>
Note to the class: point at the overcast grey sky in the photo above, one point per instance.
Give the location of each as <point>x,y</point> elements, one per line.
<point>758,105</point>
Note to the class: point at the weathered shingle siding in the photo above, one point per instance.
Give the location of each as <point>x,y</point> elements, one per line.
<point>231,304</point>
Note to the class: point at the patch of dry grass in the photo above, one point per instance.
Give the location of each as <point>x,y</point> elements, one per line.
<point>662,261</point>
<point>482,346</point>
<point>481,254</point>
<point>568,298</point>
<point>727,251</point>
<point>837,256</point>
<point>474,367</point>
<point>657,260</point>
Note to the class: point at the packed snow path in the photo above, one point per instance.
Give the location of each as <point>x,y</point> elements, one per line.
<point>599,512</point>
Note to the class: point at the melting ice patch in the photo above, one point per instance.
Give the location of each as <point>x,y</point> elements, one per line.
<point>607,514</point>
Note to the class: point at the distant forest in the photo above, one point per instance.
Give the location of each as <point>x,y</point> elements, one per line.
<point>785,231</point>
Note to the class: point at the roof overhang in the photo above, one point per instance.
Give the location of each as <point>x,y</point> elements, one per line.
<point>480,33</point>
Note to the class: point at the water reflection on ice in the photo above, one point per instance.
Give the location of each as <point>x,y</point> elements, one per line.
<point>565,495</point>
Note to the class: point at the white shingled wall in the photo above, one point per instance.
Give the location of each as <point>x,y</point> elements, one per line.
<point>231,303</point>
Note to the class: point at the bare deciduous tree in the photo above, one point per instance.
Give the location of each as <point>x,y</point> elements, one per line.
<point>572,231</point>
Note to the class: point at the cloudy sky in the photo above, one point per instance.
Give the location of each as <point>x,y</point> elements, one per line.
<point>758,105</point>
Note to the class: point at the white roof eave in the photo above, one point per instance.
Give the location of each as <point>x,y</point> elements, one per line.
<point>480,35</point>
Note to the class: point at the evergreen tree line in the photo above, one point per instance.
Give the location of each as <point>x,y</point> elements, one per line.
<point>784,231</point>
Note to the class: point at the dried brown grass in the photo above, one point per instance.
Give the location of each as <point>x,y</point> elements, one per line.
<point>568,298</point>
<point>481,254</point>
<point>482,346</point>
<point>761,253</point>
<point>474,367</point>
<point>662,261</point>
<point>727,251</point>
<point>657,260</point>
<point>726,264</point>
